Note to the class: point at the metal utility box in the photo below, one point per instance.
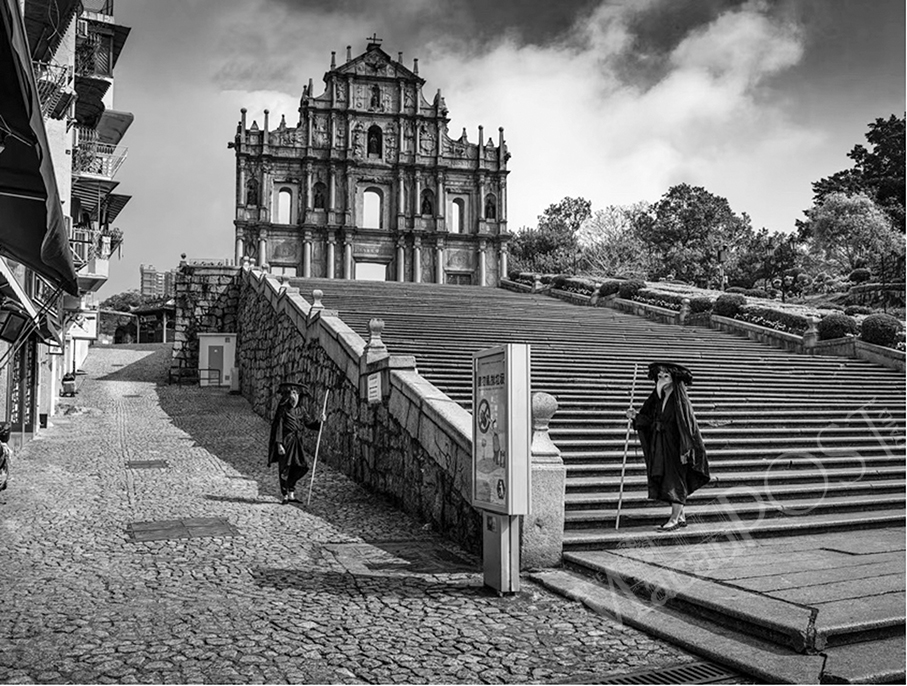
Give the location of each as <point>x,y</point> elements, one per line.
<point>501,458</point>
<point>216,358</point>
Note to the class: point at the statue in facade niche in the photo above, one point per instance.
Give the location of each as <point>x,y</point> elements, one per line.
<point>374,143</point>
<point>490,211</point>
<point>252,192</point>
<point>376,98</point>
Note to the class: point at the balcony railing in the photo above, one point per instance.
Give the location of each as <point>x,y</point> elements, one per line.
<point>94,55</point>
<point>98,159</point>
<point>53,82</point>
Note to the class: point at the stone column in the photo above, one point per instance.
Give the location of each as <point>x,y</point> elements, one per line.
<point>262,248</point>
<point>542,536</point>
<point>332,179</point>
<point>307,255</point>
<point>239,249</point>
<point>417,198</point>
<point>347,258</point>
<point>330,265</point>
<point>811,336</point>
<point>439,260</point>
<point>504,265</point>
<point>441,210</point>
<point>482,264</point>
<point>401,256</point>
<point>308,187</point>
<point>417,260</point>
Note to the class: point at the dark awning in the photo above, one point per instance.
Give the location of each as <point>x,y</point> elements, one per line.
<point>46,22</point>
<point>112,126</point>
<point>32,227</point>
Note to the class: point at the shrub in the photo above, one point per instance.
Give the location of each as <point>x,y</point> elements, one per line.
<point>513,274</point>
<point>756,293</point>
<point>609,287</point>
<point>546,278</point>
<point>578,284</point>
<point>669,301</point>
<point>827,305</point>
<point>779,320</point>
<point>881,329</point>
<point>728,304</point>
<point>629,289</point>
<point>836,326</point>
<point>857,309</point>
<point>701,303</point>
<point>736,289</point>
<point>559,281</point>
<point>860,275</point>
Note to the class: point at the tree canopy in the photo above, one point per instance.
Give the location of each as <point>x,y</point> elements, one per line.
<point>877,173</point>
<point>553,246</point>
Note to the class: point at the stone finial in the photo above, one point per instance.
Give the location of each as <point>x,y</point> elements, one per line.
<point>684,311</point>
<point>544,405</point>
<point>333,59</point>
<point>317,305</point>
<point>811,337</point>
<point>375,329</point>
<point>537,284</point>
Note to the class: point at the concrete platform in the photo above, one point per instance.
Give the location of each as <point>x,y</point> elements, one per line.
<point>784,602</point>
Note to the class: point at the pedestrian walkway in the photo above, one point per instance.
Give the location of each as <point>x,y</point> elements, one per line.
<point>142,541</point>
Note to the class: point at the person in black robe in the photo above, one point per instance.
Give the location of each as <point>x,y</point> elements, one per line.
<point>286,444</point>
<point>676,461</point>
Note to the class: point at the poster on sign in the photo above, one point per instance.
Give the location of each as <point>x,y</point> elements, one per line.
<point>501,429</point>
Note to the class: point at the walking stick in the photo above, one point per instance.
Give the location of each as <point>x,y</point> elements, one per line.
<point>324,408</point>
<point>623,466</point>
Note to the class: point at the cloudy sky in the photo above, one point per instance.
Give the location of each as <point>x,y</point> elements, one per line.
<point>612,100</point>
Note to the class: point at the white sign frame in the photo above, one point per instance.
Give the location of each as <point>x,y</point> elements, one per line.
<point>501,429</point>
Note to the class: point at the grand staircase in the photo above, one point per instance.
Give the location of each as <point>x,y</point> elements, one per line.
<point>797,444</point>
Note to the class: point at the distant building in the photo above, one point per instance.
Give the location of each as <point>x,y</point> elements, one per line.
<point>156,284</point>
<point>368,182</point>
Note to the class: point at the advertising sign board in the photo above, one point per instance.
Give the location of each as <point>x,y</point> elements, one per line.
<point>501,429</point>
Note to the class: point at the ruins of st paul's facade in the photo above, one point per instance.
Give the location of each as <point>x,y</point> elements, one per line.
<point>370,176</point>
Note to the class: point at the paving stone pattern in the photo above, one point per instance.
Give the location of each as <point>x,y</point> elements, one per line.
<point>346,590</point>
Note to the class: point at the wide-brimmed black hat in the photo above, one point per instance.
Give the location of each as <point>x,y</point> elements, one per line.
<point>286,386</point>
<point>677,371</point>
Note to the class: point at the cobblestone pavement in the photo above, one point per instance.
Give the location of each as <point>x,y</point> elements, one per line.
<point>347,590</point>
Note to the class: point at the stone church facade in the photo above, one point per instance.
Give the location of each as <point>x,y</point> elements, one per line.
<point>370,176</point>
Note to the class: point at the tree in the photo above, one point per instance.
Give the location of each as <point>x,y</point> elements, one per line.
<point>610,244</point>
<point>878,173</point>
<point>127,301</point>
<point>852,231</point>
<point>552,246</point>
<point>687,231</point>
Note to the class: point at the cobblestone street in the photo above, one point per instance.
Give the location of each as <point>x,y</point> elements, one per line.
<point>94,588</point>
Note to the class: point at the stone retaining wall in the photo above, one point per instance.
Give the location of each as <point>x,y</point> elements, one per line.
<point>414,447</point>
<point>207,298</point>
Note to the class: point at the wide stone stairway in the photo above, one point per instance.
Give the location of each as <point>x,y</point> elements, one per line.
<point>792,566</point>
<point>796,443</point>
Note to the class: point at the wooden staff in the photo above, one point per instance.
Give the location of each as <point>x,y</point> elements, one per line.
<point>324,408</point>
<point>623,466</point>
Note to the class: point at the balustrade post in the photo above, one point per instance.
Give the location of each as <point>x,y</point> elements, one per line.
<point>542,535</point>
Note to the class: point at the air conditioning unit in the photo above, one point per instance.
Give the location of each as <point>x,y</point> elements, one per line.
<point>82,28</point>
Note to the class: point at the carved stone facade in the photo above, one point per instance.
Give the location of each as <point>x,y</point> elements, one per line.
<point>369,175</point>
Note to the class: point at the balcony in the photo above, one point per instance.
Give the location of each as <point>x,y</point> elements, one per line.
<point>54,92</point>
<point>91,158</point>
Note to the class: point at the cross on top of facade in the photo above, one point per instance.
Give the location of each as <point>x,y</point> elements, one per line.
<point>374,39</point>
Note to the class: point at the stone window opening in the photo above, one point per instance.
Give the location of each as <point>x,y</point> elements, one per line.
<point>284,204</point>
<point>319,190</point>
<point>372,208</point>
<point>427,203</point>
<point>457,216</point>
<point>491,207</point>
<point>375,141</point>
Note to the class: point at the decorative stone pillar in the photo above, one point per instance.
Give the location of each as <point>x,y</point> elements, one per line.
<point>684,313</point>
<point>262,248</point>
<point>375,349</point>
<point>307,255</point>
<point>239,250</point>
<point>347,258</point>
<point>482,264</point>
<point>332,241</point>
<point>439,262</point>
<point>417,260</point>
<point>332,193</point>
<point>542,536</point>
<point>401,257</point>
<point>308,187</point>
<point>504,266</point>
<point>811,337</point>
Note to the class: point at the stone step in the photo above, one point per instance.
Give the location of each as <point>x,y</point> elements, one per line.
<point>638,497</point>
<point>736,528</point>
<point>766,507</point>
